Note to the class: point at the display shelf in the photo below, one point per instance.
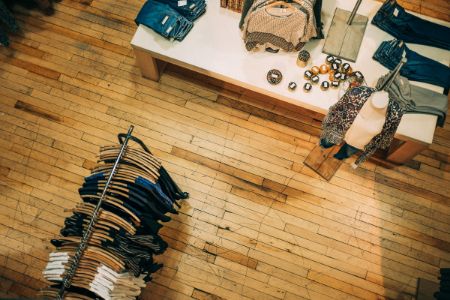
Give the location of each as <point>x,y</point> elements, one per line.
<point>215,48</point>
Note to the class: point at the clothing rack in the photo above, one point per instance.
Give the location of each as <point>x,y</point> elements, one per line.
<point>67,281</point>
<point>394,74</point>
<point>353,13</point>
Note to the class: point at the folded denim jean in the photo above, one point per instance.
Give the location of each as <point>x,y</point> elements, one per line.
<point>429,102</point>
<point>417,68</point>
<point>399,90</point>
<point>190,9</point>
<point>164,20</point>
<point>393,19</point>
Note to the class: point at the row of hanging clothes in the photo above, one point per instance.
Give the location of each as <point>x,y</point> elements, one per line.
<point>287,25</point>
<point>106,247</point>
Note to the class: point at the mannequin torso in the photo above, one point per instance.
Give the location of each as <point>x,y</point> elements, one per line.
<point>369,121</point>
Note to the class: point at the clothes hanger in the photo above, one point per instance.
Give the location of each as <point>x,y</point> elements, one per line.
<point>299,2</point>
<point>281,3</point>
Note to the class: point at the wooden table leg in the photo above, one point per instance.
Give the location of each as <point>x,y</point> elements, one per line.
<point>405,151</point>
<point>147,64</point>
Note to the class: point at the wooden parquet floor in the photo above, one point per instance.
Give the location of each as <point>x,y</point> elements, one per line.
<point>258,225</point>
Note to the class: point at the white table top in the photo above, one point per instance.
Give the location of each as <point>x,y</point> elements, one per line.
<point>214,47</point>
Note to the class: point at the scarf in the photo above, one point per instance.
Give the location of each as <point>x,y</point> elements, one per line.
<point>342,114</point>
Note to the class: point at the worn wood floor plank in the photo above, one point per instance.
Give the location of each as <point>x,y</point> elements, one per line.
<point>258,224</point>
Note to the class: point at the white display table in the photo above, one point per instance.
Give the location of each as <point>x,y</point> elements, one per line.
<point>214,47</point>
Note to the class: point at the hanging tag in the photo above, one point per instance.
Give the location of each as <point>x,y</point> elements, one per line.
<point>396,11</point>
<point>165,20</point>
<point>182,3</point>
<point>169,29</point>
<point>192,6</point>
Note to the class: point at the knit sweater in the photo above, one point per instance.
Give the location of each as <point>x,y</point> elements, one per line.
<point>308,9</point>
<point>342,114</point>
<point>275,26</point>
<point>317,9</point>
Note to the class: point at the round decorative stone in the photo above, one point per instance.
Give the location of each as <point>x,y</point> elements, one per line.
<point>274,76</point>
<point>359,76</point>
<point>315,70</point>
<point>303,57</point>
<point>308,74</point>
<point>292,86</point>
<point>315,79</point>
<point>307,87</point>
<point>346,68</point>
<point>330,59</point>
<point>324,69</point>
<point>337,76</point>
<point>335,67</point>
<point>324,85</point>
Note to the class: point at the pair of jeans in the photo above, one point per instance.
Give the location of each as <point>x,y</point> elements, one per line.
<point>417,68</point>
<point>393,19</point>
<point>164,20</point>
<point>190,9</point>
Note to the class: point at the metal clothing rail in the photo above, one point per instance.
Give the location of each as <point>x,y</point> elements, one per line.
<point>67,281</point>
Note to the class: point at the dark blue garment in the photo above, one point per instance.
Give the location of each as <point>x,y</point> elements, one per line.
<point>7,19</point>
<point>133,201</point>
<point>142,189</point>
<point>164,20</point>
<point>156,188</point>
<point>393,19</point>
<point>417,68</point>
<point>190,9</point>
<point>325,144</point>
<point>345,152</point>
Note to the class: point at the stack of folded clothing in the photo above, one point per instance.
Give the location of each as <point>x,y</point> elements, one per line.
<point>396,21</point>
<point>417,67</point>
<point>287,26</point>
<point>118,259</point>
<point>408,28</point>
<point>172,19</point>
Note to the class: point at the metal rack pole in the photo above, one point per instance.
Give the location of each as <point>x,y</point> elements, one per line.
<point>353,14</point>
<point>67,281</point>
<point>394,74</point>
